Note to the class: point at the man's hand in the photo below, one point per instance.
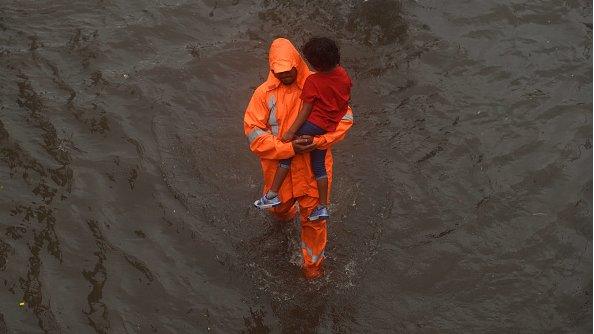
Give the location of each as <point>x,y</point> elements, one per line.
<point>287,137</point>
<point>303,144</point>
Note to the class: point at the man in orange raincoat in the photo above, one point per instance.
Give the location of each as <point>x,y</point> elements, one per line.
<point>271,111</point>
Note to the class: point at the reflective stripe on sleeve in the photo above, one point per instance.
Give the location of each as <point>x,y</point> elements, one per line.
<point>272,122</point>
<point>347,117</point>
<point>255,133</point>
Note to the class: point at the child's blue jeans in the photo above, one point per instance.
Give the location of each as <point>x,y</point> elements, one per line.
<point>318,157</point>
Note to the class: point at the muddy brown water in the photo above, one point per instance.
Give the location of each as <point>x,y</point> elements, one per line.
<point>462,198</point>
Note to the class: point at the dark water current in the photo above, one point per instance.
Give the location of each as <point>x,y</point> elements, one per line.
<point>463,195</point>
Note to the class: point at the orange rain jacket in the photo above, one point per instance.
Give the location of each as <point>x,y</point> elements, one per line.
<point>271,111</point>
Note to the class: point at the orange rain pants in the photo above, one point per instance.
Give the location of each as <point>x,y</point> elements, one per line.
<point>271,111</point>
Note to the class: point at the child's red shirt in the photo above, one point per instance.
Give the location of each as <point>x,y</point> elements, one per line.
<point>329,93</point>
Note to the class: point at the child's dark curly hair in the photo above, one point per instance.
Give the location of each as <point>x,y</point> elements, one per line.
<point>322,53</point>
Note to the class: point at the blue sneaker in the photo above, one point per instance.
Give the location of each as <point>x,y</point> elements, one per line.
<point>265,202</point>
<point>319,213</point>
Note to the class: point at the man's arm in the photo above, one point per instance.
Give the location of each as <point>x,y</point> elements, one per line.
<point>255,125</point>
<point>324,142</point>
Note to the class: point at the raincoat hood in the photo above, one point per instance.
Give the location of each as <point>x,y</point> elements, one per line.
<point>283,56</point>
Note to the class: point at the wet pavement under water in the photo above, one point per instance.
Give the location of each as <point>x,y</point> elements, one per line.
<point>462,200</point>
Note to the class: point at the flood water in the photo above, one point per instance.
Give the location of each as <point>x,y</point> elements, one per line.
<point>462,200</point>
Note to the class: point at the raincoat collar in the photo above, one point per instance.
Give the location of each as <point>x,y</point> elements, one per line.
<point>283,50</point>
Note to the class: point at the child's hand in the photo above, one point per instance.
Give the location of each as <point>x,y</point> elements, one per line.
<point>288,136</point>
<point>308,139</point>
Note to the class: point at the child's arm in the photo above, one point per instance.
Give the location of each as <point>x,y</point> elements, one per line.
<point>301,117</point>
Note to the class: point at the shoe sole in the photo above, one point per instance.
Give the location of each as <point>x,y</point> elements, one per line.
<point>265,206</point>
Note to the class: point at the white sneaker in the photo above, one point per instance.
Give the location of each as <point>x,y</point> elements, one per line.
<point>265,202</point>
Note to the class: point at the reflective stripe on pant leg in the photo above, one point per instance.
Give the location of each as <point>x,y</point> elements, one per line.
<point>313,233</point>
<point>314,257</point>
